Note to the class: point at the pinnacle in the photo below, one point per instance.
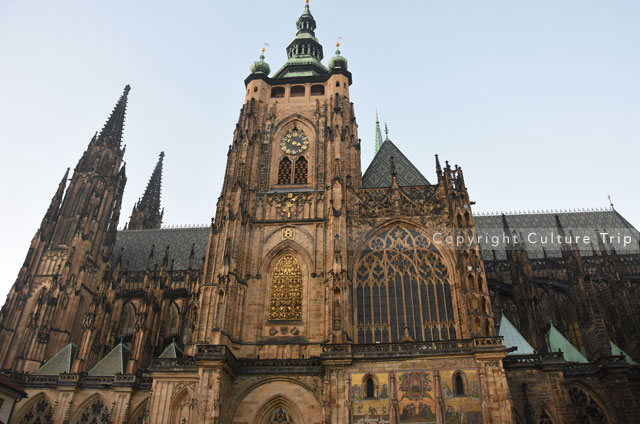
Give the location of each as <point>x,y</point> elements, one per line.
<point>111,133</point>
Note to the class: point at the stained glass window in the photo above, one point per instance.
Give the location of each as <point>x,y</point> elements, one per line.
<point>284,171</point>
<point>588,411</point>
<point>40,413</point>
<point>401,282</point>
<point>286,290</point>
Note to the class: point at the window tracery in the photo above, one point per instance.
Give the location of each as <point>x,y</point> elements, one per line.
<point>280,416</point>
<point>286,290</point>
<point>95,413</point>
<point>588,411</point>
<point>401,282</point>
<point>40,413</point>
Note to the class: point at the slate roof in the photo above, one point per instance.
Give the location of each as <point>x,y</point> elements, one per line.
<point>137,246</point>
<point>115,362</point>
<point>60,362</point>
<point>513,338</point>
<point>534,226</point>
<point>557,342</point>
<point>378,174</point>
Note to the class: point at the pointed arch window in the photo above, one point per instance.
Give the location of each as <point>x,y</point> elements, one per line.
<point>301,171</point>
<point>173,321</point>
<point>459,384</point>
<point>371,388</point>
<point>95,413</point>
<point>588,411</point>
<point>284,171</point>
<point>128,320</point>
<point>402,290</point>
<point>40,412</point>
<point>286,290</point>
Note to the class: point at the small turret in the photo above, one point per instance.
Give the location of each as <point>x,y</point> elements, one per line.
<point>260,67</point>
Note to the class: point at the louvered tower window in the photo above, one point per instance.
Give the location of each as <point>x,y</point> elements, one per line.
<point>284,171</point>
<point>301,171</point>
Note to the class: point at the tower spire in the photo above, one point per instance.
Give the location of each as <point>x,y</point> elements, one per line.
<point>146,212</point>
<point>378,134</point>
<point>111,134</point>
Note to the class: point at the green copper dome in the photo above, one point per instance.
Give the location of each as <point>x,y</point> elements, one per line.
<point>338,61</point>
<point>260,67</point>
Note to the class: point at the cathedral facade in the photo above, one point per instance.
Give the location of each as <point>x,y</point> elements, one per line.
<point>319,293</point>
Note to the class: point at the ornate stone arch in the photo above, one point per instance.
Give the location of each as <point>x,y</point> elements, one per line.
<point>92,408</point>
<point>404,287</point>
<point>306,401</point>
<point>36,410</point>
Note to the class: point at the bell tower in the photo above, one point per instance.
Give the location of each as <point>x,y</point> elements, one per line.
<point>273,272</point>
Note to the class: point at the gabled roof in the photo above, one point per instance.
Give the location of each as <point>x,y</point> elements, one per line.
<point>172,352</point>
<point>513,338</point>
<point>615,350</point>
<point>378,174</point>
<point>114,363</point>
<point>539,225</point>
<point>557,342</point>
<point>60,362</point>
<point>137,244</point>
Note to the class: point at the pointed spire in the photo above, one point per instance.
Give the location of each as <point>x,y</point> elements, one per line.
<point>378,134</point>
<point>386,132</point>
<point>146,212</point>
<point>111,133</point>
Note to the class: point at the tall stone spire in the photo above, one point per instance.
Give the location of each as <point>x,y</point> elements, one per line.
<point>378,134</point>
<point>146,214</point>
<point>111,134</point>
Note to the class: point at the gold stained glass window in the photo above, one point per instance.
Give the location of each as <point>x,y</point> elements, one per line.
<point>286,290</point>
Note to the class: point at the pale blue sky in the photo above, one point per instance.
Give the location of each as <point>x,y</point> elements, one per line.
<point>538,101</point>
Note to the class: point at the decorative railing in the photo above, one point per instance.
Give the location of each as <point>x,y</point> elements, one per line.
<point>81,380</point>
<point>413,348</point>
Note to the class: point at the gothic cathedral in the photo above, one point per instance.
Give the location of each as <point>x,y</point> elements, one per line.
<point>318,294</point>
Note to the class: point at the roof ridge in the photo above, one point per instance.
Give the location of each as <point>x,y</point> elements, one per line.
<point>545,212</point>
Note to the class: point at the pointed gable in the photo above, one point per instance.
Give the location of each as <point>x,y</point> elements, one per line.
<point>114,363</point>
<point>558,343</point>
<point>60,362</point>
<point>378,174</point>
<point>513,338</point>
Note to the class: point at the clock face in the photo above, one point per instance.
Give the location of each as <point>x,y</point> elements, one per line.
<point>294,143</point>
